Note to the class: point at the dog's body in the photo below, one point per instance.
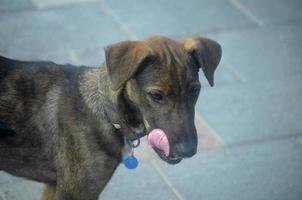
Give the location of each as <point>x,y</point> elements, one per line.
<point>58,139</point>
<point>57,122</point>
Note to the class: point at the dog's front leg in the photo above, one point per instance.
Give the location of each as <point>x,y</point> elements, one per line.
<point>49,192</point>
<point>82,182</point>
<point>86,189</point>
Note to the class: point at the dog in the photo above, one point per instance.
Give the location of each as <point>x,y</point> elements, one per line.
<point>66,126</point>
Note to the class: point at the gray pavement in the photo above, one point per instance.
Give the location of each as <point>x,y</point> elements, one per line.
<point>254,111</point>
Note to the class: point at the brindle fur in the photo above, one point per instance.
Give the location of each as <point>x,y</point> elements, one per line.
<point>56,121</point>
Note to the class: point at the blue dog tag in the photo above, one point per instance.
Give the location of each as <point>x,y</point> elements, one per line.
<point>130,162</point>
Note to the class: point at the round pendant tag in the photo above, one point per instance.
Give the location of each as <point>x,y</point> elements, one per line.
<point>131,162</point>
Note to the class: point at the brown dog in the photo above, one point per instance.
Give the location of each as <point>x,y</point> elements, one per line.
<point>66,126</point>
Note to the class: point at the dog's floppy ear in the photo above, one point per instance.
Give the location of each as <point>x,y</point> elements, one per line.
<point>206,53</point>
<point>124,59</point>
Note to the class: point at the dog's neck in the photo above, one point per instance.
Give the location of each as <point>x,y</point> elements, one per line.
<point>102,100</point>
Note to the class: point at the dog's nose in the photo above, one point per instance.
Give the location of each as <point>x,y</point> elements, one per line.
<point>185,151</point>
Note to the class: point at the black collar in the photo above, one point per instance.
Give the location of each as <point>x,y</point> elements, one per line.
<point>131,134</point>
<point>134,139</point>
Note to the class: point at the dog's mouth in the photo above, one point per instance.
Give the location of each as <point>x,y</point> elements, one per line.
<point>169,159</point>
<point>159,142</point>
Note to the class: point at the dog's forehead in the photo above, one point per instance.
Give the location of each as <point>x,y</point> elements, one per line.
<point>173,63</point>
<point>168,50</point>
<point>173,70</point>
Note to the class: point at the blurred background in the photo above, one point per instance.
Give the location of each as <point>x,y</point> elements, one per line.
<point>249,124</point>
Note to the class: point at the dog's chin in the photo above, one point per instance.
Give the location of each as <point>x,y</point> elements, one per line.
<point>169,159</point>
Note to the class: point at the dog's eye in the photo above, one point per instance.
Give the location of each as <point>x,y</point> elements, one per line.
<point>156,95</point>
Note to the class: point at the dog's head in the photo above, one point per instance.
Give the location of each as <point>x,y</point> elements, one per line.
<point>158,83</point>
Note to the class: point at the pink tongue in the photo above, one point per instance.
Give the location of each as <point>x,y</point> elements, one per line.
<point>157,138</point>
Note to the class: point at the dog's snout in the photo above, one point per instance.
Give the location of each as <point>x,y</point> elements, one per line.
<point>185,151</point>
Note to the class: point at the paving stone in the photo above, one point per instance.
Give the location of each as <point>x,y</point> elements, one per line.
<point>270,53</point>
<point>264,171</point>
<point>141,183</point>
<point>36,34</point>
<point>272,11</point>
<point>53,3</point>
<point>176,18</point>
<point>267,104</point>
<point>260,110</point>
<point>16,5</point>
<point>223,76</point>
<point>6,178</point>
<point>20,189</point>
<point>93,57</point>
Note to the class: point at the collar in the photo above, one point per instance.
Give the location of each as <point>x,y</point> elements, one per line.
<point>134,139</point>
<point>129,133</point>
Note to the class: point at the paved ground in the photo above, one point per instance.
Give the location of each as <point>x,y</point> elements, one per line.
<point>249,124</point>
